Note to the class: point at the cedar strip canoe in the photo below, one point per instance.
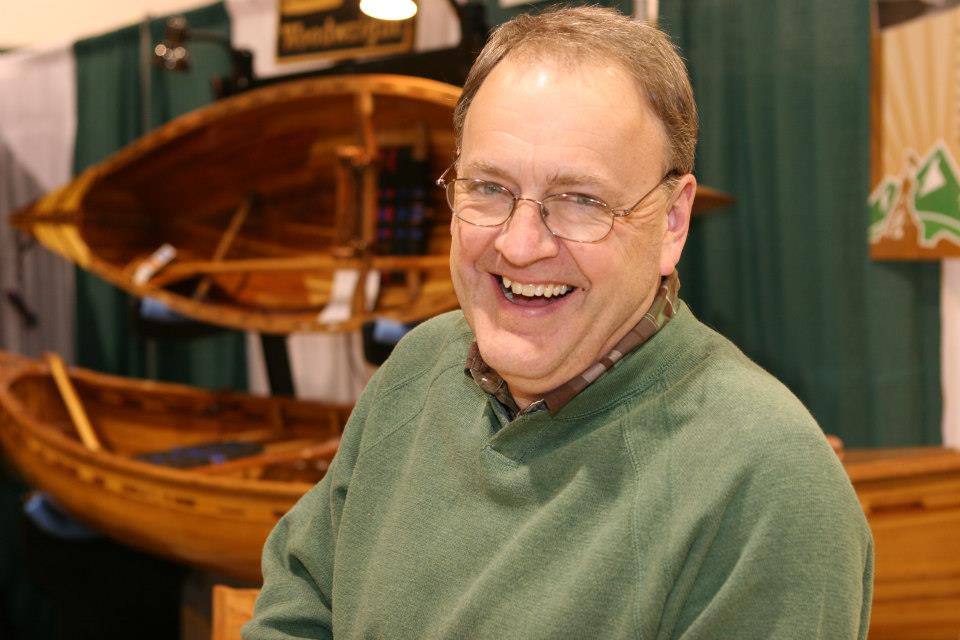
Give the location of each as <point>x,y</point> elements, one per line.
<point>216,516</point>
<point>266,195</point>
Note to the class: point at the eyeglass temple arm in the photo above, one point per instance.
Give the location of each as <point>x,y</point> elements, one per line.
<point>442,180</point>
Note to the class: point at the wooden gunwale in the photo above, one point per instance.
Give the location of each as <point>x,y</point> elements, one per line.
<point>189,269</point>
<point>256,319</point>
<point>12,406</point>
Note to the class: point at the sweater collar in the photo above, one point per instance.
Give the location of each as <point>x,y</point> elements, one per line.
<point>661,310</point>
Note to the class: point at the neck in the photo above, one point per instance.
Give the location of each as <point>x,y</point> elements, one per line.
<point>523,400</point>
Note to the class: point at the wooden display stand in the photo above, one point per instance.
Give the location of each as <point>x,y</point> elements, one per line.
<point>231,609</point>
<point>911,498</point>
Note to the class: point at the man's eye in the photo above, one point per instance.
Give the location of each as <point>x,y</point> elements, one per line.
<point>582,200</point>
<point>488,189</point>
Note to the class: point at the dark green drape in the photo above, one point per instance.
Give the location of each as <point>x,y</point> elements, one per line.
<point>109,116</point>
<point>782,89</point>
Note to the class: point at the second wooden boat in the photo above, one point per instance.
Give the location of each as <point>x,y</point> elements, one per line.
<point>125,482</point>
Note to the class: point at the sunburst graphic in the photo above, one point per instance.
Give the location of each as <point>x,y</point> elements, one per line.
<point>918,200</point>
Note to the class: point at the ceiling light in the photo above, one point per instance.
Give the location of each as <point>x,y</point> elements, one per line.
<point>389,9</point>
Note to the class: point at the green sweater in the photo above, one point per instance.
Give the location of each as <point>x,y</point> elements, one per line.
<point>684,494</point>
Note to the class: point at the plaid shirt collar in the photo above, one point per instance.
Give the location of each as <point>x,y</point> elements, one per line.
<point>659,313</point>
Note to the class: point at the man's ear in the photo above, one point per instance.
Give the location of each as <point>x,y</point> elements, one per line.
<point>678,223</point>
<point>453,218</point>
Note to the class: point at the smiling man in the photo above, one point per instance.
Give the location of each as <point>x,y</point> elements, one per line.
<point>578,135</point>
<point>573,455</point>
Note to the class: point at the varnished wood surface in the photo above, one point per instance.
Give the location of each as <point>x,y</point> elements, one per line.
<point>275,148</point>
<point>911,497</point>
<point>232,608</point>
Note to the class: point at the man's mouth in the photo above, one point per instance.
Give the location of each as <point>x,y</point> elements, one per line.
<point>538,294</point>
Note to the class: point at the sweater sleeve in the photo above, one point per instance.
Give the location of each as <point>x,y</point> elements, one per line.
<point>788,555</point>
<point>296,600</point>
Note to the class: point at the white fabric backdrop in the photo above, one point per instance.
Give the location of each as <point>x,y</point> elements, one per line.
<point>326,367</point>
<point>37,126</point>
<point>950,350</point>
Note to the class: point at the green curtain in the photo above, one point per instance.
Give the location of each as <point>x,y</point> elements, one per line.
<point>783,93</point>
<point>109,116</point>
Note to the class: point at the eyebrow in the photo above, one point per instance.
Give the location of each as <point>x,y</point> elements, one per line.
<point>559,179</point>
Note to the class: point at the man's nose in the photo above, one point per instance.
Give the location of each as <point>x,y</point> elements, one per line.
<point>524,238</point>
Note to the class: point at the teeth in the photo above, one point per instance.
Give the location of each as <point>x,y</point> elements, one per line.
<point>531,290</point>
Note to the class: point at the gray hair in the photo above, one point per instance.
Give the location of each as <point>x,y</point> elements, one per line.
<point>597,34</point>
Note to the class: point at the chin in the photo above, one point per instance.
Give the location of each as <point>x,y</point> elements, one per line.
<point>515,356</point>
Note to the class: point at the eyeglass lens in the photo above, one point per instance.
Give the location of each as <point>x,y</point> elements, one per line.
<point>488,204</point>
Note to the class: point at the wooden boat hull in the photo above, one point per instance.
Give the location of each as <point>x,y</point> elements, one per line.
<point>315,175</point>
<point>268,195</point>
<point>218,522</point>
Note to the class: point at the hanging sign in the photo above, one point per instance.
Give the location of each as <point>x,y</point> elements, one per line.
<point>915,203</point>
<point>336,29</point>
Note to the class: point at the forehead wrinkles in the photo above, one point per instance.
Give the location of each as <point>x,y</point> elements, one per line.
<point>569,61</point>
<point>543,141</point>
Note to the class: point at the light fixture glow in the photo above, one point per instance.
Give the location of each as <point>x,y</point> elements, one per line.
<point>389,9</point>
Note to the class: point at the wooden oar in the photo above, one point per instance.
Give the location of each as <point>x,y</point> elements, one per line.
<point>70,398</point>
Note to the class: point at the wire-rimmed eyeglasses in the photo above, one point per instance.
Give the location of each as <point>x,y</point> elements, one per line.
<point>571,216</point>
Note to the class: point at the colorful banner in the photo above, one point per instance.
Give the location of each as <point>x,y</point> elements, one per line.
<point>915,204</point>
<point>336,29</point>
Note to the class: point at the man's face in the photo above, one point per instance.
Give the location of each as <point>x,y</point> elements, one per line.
<point>540,129</point>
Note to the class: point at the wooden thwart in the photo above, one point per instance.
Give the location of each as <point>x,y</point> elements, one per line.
<point>289,452</point>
